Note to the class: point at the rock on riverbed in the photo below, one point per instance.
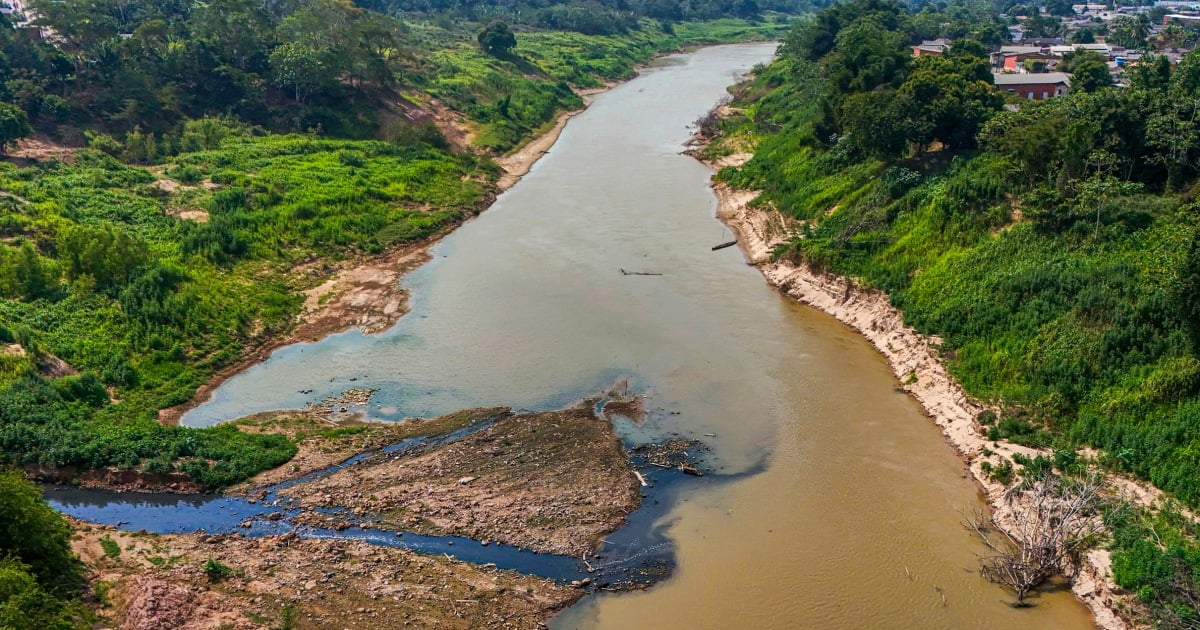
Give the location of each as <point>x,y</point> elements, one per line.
<point>284,581</point>
<point>552,482</point>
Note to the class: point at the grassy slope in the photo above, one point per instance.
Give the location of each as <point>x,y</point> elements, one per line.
<point>509,99</point>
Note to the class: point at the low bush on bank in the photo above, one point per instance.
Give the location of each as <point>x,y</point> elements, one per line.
<point>147,306</point>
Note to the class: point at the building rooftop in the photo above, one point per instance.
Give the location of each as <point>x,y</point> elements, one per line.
<point>1032,78</point>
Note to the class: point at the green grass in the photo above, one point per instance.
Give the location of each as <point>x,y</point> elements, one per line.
<point>110,546</point>
<point>204,292</point>
<point>97,268</point>
<point>510,98</point>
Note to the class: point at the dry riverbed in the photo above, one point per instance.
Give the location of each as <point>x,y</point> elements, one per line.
<point>553,482</point>
<point>147,582</point>
<point>323,440</point>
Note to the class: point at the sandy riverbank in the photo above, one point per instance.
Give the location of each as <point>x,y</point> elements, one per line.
<point>365,293</point>
<point>914,360</point>
<point>517,164</point>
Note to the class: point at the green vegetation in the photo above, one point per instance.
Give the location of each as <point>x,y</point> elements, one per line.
<point>216,571</point>
<point>151,306</point>
<point>588,17</point>
<point>509,98</point>
<point>14,124</point>
<point>141,70</point>
<point>230,143</point>
<point>496,39</point>
<point>41,580</point>
<point>110,546</point>
<point>1054,248</point>
<point>1154,556</point>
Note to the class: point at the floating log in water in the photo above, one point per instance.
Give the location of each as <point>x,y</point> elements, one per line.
<point>691,470</point>
<point>639,273</point>
<point>724,245</point>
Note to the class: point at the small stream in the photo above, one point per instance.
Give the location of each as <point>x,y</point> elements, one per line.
<point>639,552</point>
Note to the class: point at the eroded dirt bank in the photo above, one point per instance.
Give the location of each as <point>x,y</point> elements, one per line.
<point>914,360</point>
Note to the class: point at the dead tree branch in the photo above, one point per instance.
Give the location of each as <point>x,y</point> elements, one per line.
<point>1041,530</point>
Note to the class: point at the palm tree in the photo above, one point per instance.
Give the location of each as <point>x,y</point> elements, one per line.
<point>1141,27</point>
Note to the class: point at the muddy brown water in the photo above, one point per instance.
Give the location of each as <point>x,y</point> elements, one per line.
<point>856,518</point>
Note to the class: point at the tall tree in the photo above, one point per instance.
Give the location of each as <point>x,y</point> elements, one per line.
<point>497,39</point>
<point>14,124</point>
<point>1091,75</point>
<point>34,533</point>
<point>948,100</point>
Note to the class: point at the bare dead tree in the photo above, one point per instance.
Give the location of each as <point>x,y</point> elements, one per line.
<point>709,124</point>
<point>1045,525</point>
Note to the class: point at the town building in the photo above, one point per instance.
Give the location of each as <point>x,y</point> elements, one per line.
<point>1034,86</point>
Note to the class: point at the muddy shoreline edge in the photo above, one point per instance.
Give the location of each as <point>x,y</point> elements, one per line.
<point>386,302</point>
<point>913,358</point>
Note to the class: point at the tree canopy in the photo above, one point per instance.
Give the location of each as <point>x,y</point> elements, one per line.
<point>14,124</point>
<point>497,39</point>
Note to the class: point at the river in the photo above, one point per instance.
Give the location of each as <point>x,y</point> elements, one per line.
<point>854,517</point>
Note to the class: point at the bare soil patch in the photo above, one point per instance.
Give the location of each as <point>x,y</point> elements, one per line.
<point>553,482</point>
<point>158,582</point>
<point>189,214</point>
<point>41,148</point>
